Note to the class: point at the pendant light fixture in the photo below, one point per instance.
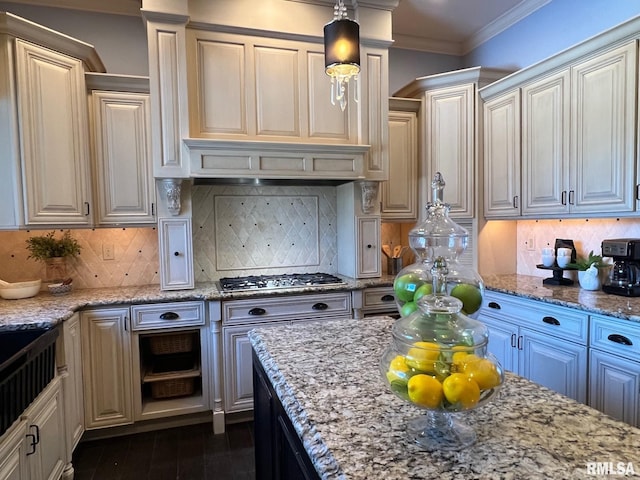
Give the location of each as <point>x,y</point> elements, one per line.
<point>342,54</point>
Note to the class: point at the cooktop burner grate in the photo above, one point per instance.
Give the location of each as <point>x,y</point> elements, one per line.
<point>287,280</point>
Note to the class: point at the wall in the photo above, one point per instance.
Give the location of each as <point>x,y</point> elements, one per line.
<point>135,262</point>
<point>121,41</point>
<point>549,30</point>
<point>407,65</point>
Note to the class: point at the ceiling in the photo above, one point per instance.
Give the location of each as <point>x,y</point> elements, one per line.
<point>452,27</point>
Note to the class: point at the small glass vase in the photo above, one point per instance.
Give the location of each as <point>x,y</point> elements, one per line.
<point>56,269</point>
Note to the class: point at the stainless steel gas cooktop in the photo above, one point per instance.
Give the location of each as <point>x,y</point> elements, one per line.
<point>287,280</point>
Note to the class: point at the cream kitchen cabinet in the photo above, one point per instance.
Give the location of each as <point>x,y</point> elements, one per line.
<point>44,136</point>
<point>502,186</point>
<point>614,368</point>
<point>176,253</point>
<point>107,367</point>
<point>374,301</point>
<point>69,363</point>
<point>399,194</point>
<point>449,133</point>
<point>240,316</point>
<point>32,448</point>
<point>544,343</point>
<point>578,128</point>
<point>121,147</point>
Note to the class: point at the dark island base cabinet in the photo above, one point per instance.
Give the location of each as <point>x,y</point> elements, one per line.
<point>278,449</point>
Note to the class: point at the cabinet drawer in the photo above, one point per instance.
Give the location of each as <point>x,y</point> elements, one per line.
<point>621,337</point>
<point>561,322</point>
<point>299,307</point>
<point>377,298</point>
<point>167,315</point>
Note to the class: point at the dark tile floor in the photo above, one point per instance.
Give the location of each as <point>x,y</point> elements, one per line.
<point>185,453</point>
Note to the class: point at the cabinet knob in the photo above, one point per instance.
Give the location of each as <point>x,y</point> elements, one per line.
<point>176,254</point>
<point>369,246</point>
<point>621,339</point>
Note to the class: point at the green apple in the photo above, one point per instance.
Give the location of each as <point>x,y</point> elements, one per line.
<point>406,285</point>
<point>408,308</point>
<point>423,290</point>
<point>469,295</point>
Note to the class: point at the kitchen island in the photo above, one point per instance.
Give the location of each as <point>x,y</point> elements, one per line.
<point>326,377</point>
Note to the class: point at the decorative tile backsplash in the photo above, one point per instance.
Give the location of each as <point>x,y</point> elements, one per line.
<point>135,259</point>
<point>250,230</point>
<point>587,235</point>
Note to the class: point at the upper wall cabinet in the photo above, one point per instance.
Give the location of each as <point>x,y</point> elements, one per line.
<point>449,133</point>
<point>43,126</point>
<point>399,195</point>
<point>125,190</point>
<point>577,128</point>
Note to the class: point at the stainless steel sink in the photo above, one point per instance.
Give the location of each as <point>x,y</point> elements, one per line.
<point>27,365</point>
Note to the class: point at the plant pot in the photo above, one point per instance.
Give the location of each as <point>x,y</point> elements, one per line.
<point>56,269</point>
<point>588,281</point>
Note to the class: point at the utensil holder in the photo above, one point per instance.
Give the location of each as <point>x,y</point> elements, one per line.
<point>394,265</point>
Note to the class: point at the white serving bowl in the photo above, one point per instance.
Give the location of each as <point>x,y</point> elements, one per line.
<point>14,291</point>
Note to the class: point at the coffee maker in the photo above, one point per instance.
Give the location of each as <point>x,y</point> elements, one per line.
<point>624,277</point>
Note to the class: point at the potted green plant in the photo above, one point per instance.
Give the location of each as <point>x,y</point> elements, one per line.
<point>53,252</point>
<point>589,270</point>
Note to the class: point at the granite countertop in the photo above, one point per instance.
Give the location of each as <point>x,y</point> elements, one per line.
<point>45,310</point>
<point>353,427</point>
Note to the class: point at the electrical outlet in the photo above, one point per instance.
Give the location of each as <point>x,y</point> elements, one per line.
<point>531,244</point>
<point>107,251</point>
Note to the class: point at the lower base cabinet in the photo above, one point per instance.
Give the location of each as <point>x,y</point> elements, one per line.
<point>543,343</point>
<point>279,452</point>
<point>34,447</point>
<point>614,368</point>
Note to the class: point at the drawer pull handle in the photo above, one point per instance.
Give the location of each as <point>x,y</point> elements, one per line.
<point>494,305</point>
<point>320,306</point>
<point>387,298</point>
<point>513,340</point>
<point>551,320</point>
<point>32,444</point>
<point>257,311</point>
<point>169,316</point>
<point>621,339</point>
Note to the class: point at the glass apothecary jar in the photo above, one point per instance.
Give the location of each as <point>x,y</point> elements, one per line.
<point>438,361</point>
<point>438,237</point>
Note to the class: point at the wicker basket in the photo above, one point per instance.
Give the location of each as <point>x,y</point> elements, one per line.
<point>172,388</point>
<point>171,343</point>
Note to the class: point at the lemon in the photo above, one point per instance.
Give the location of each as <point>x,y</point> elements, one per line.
<point>459,388</point>
<point>469,295</point>
<point>425,390</point>
<point>423,356</point>
<point>398,369</point>
<point>484,372</point>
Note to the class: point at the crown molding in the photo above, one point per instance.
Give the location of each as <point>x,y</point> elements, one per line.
<point>115,7</point>
<point>410,42</point>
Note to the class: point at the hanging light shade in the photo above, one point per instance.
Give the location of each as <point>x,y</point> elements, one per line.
<point>341,54</point>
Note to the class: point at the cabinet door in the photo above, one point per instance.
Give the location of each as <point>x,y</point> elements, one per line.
<point>368,247</point>
<point>502,341</point>
<point>554,363</point>
<point>502,156</point>
<point>122,154</point>
<point>53,112</point>
<point>603,132</point>
<point>449,144</point>
<point>400,193</point>
<point>176,253</point>
<point>12,454</point>
<point>45,421</point>
<point>614,386</point>
<point>72,382</point>
<point>106,361</point>
<point>545,145</point>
